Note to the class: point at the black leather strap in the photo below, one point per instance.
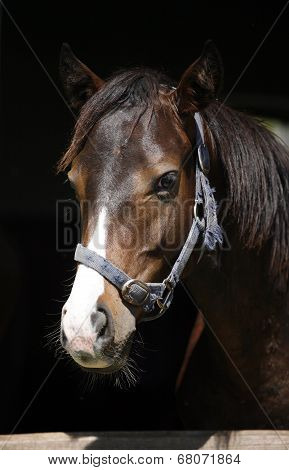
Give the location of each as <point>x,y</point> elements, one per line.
<point>101,265</point>
<point>133,291</point>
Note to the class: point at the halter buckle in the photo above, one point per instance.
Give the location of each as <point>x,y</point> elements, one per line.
<point>130,296</point>
<point>165,301</point>
<point>198,214</point>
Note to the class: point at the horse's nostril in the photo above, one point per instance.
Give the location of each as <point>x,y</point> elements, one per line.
<point>64,310</point>
<point>99,321</point>
<point>102,310</point>
<point>102,323</point>
<point>102,331</point>
<point>93,318</point>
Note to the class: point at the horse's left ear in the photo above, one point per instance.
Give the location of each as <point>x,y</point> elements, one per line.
<point>201,82</point>
<point>79,82</point>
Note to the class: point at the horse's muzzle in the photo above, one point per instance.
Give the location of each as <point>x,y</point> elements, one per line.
<point>91,348</point>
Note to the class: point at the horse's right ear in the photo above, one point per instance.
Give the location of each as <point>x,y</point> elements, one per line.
<point>79,82</point>
<point>201,83</point>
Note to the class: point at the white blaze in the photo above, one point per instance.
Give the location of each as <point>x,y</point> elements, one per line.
<point>88,286</point>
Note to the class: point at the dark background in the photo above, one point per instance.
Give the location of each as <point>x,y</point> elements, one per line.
<point>35,130</point>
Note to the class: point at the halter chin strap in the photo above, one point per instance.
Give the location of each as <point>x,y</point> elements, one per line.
<point>155,298</point>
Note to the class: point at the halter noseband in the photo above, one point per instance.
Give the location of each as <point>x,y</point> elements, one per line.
<point>155,298</point>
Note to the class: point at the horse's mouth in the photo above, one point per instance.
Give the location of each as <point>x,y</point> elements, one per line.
<point>116,365</point>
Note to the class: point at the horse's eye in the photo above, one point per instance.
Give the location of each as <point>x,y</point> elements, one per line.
<point>166,183</point>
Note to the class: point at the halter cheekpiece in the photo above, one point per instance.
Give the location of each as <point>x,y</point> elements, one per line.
<point>155,298</point>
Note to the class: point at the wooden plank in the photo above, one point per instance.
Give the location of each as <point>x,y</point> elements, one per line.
<point>203,440</point>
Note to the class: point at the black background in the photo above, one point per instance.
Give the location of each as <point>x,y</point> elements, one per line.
<point>35,130</point>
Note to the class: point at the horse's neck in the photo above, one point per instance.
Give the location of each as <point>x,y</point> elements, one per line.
<point>247,326</point>
<point>247,315</point>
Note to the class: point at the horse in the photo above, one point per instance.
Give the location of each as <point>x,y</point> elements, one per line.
<point>132,163</point>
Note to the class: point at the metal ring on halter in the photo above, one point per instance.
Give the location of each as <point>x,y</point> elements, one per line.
<point>164,303</point>
<point>204,158</point>
<point>196,215</point>
<point>126,292</point>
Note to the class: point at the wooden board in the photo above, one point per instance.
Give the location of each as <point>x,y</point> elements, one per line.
<point>149,440</point>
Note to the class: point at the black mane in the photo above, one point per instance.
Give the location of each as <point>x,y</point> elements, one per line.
<point>256,163</point>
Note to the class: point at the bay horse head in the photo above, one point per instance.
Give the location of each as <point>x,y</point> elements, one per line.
<point>131,163</point>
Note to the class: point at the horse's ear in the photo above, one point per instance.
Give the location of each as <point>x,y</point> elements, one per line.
<point>201,82</point>
<point>79,82</point>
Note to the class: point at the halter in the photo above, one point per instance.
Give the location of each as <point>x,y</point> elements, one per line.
<point>155,298</point>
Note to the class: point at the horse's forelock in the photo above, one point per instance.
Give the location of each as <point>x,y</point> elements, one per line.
<point>137,87</point>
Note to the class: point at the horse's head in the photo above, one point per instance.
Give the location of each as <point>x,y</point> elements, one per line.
<point>131,166</point>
